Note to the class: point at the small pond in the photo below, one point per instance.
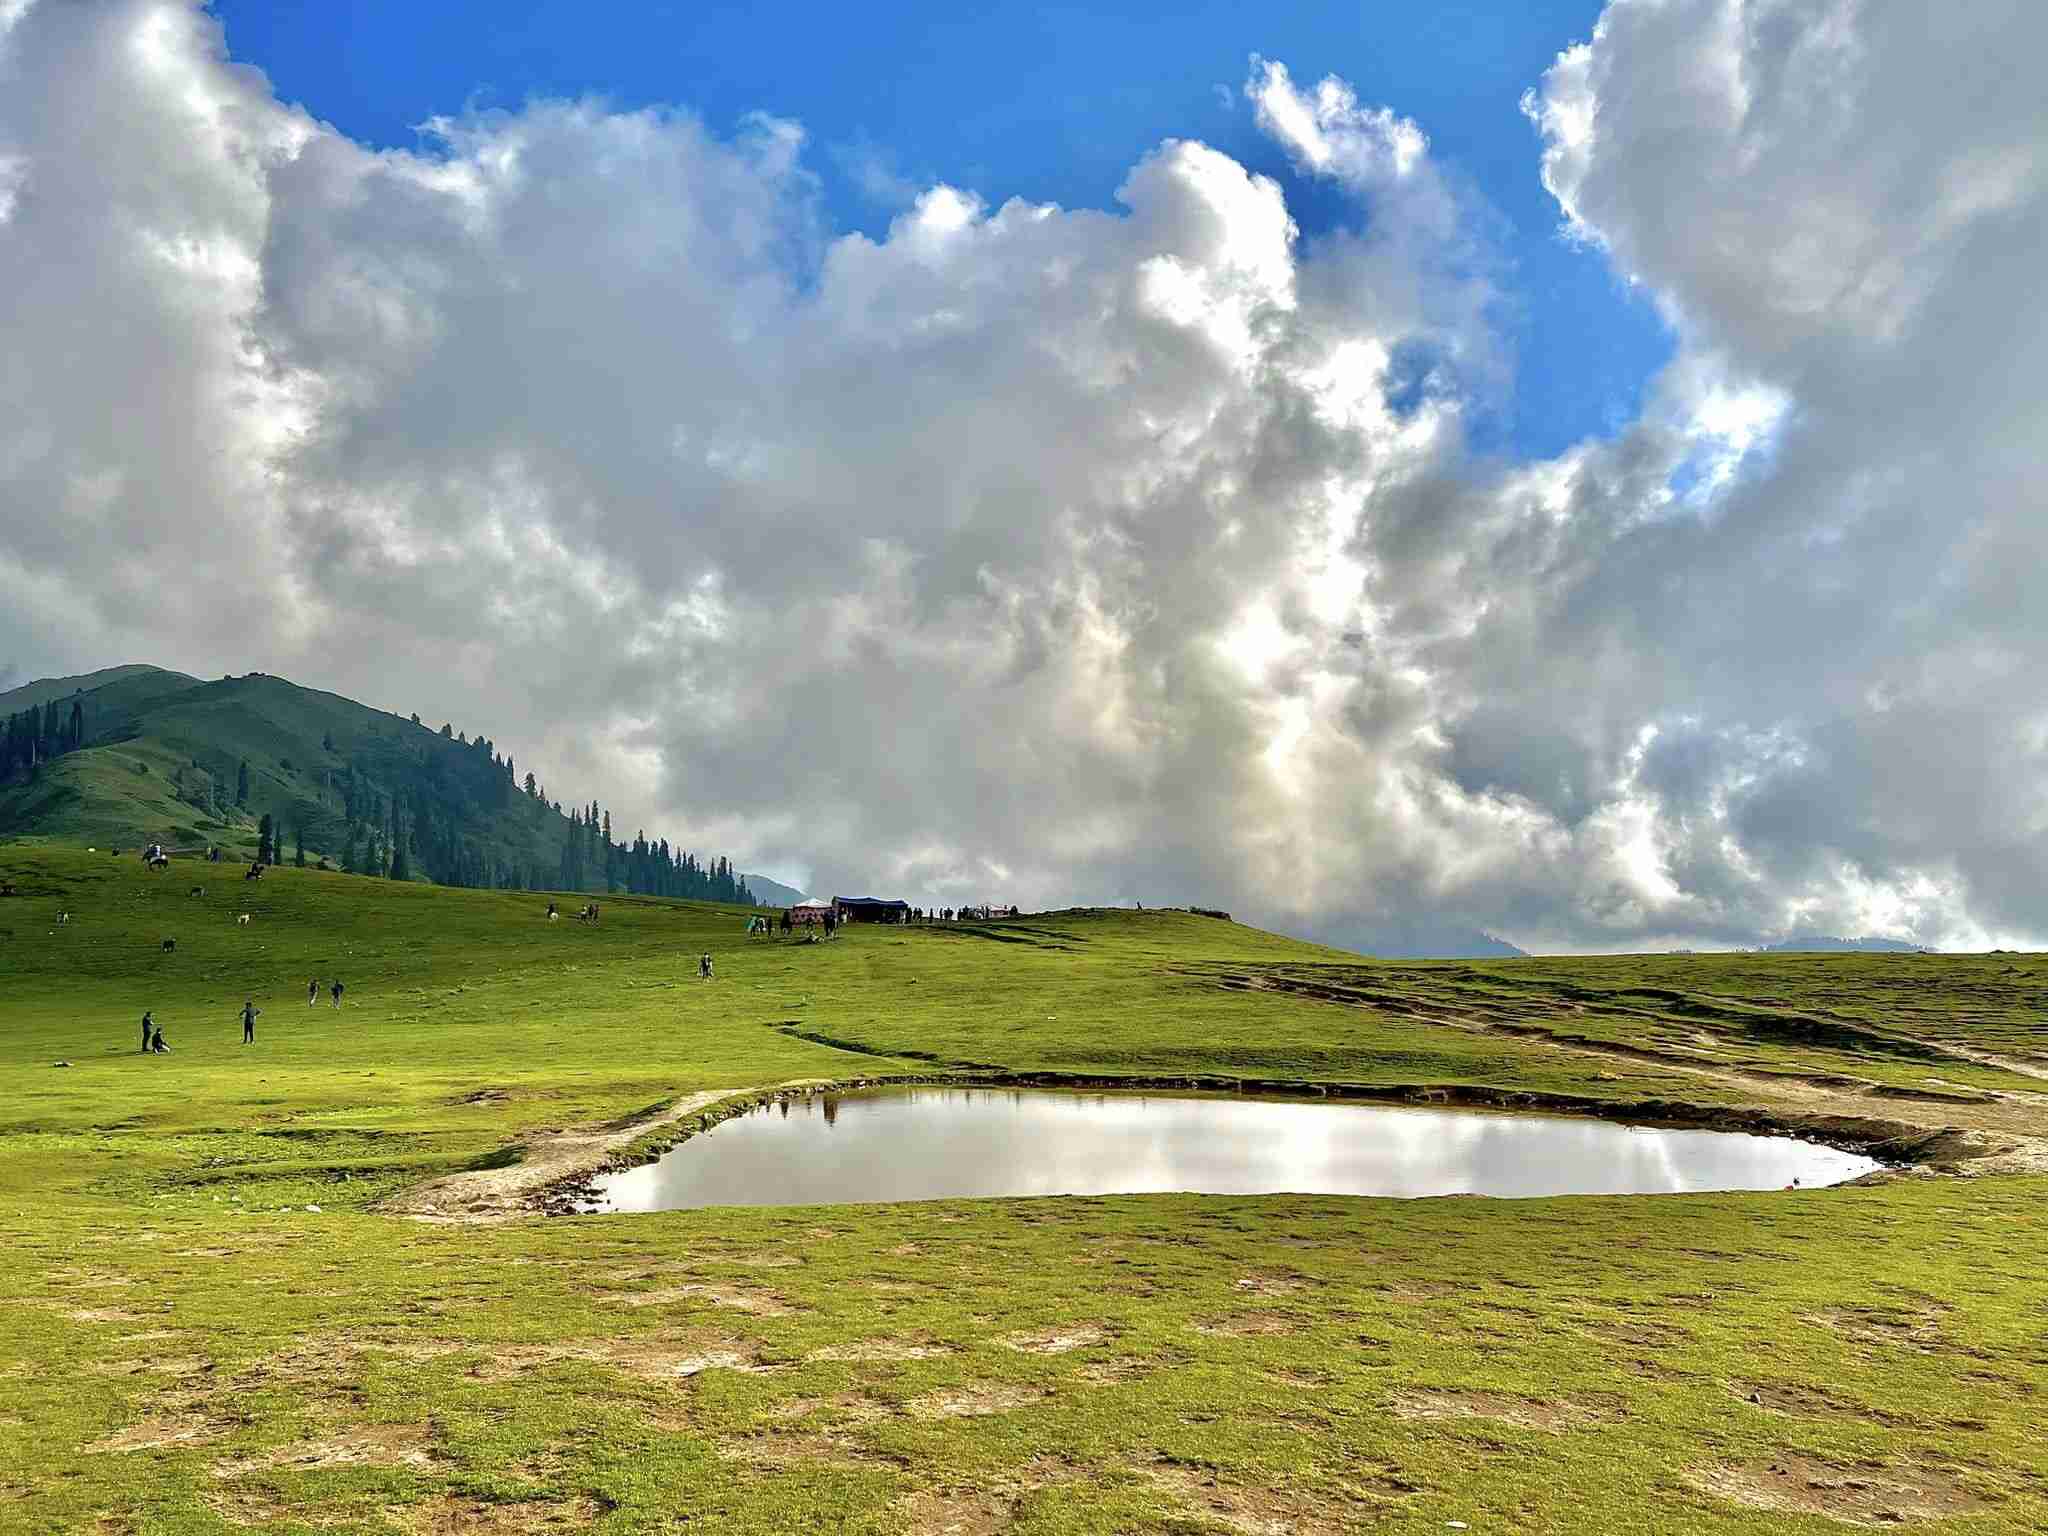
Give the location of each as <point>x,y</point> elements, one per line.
<point>940,1143</point>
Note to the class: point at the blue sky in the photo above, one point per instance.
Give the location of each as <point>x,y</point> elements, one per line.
<point>1050,103</point>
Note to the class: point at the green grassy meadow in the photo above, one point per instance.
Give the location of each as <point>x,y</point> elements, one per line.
<point>215,1315</point>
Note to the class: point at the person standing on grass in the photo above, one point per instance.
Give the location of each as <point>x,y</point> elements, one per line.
<point>312,991</point>
<point>249,1013</point>
<point>335,992</point>
<point>704,966</point>
<point>146,1027</point>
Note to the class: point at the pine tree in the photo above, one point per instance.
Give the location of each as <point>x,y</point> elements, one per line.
<point>265,852</point>
<point>242,784</point>
<point>77,726</point>
<point>299,845</point>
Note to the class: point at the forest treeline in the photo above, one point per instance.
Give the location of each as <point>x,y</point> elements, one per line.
<point>315,776</point>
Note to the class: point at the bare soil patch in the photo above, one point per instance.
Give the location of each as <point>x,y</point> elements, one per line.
<point>944,1512</point>
<point>1123,1368</point>
<point>255,1506</point>
<point>1795,1484</point>
<point>1248,1325</point>
<point>366,1445</point>
<point>1261,1511</point>
<point>1057,1341</point>
<point>973,1402</point>
<point>1799,1400</point>
<point>759,1303</point>
<point>658,1360</point>
<point>450,1516</point>
<point>1918,1330</point>
<point>1272,1285</point>
<point>153,1365</point>
<point>162,1432</point>
<point>782,1452</point>
<point>841,1407</point>
<point>1528,1412</point>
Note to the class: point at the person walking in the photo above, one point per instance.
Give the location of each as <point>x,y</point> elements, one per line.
<point>146,1027</point>
<point>249,1013</point>
<point>312,991</point>
<point>335,992</point>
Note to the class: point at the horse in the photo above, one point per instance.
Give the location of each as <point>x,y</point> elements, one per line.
<point>242,921</point>
<point>63,918</point>
<point>197,890</point>
<point>168,946</point>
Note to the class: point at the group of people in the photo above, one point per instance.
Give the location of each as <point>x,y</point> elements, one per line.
<point>766,925</point>
<point>153,1032</point>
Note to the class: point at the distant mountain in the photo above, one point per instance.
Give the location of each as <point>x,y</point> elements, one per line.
<point>772,893</point>
<point>1811,943</point>
<point>137,754</point>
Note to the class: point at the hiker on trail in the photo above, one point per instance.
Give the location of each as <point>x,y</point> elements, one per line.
<point>249,1012</point>
<point>146,1027</point>
<point>156,1042</point>
<point>312,991</point>
<point>335,992</point>
<point>704,966</point>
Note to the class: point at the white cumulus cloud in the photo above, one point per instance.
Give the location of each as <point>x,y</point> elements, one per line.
<point>1044,554</point>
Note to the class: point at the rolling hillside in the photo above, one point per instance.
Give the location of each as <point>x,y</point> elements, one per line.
<point>138,754</point>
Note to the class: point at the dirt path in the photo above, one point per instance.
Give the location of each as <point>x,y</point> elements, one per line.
<point>2018,1121</point>
<point>546,1158</point>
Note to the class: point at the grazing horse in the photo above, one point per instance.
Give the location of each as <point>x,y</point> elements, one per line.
<point>242,921</point>
<point>255,872</point>
<point>63,918</point>
<point>169,945</point>
<point>197,890</point>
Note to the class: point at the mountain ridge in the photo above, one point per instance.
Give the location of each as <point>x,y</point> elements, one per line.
<point>149,755</point>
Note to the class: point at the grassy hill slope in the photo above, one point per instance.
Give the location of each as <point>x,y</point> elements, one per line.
<point>208,1320</point>
<point>141,681</point>
<point>165,755</point>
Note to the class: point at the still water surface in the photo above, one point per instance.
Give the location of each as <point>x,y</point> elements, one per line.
<point>934,1143</point>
